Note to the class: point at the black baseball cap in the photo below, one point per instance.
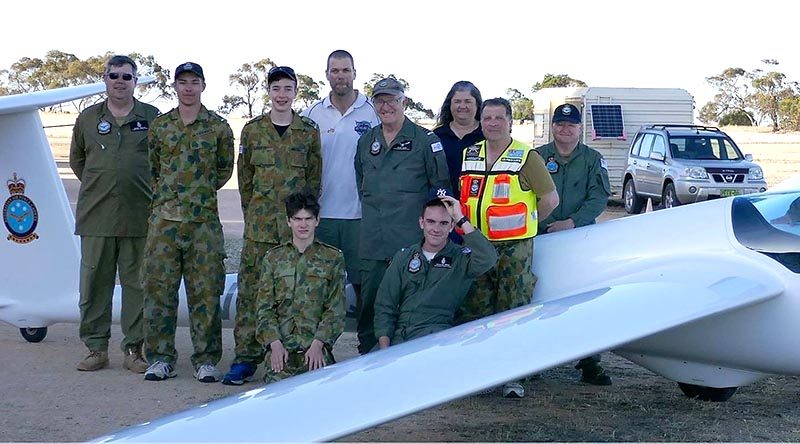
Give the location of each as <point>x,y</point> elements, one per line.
<point>280,72</point>
<point>189,67</point>
<point>567,113</point>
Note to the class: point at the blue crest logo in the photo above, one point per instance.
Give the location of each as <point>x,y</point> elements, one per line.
<point>20,215</point>
<point>362,126</point>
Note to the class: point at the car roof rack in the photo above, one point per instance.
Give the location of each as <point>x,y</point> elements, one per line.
<point>668,126</point>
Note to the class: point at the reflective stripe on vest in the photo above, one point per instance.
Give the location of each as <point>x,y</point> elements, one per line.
<point>494,199</point>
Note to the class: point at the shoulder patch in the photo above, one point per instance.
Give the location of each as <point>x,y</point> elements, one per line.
<point>603,164</point>
<point>310,122</point>
<point>216,116</point>
<point>466,250</point>
<point>254,119</point>
<point>328,246</point>
<point>436,147</point>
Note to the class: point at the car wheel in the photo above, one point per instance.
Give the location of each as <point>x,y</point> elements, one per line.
<point>670,198</point>
<point>633,203</point>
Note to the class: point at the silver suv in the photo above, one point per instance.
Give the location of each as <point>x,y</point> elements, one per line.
<point>678,164</point>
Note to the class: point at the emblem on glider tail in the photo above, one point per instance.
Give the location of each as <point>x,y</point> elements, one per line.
<point>19,213</point>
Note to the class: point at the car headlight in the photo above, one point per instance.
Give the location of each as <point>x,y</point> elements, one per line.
<point>755,173</point>
<point>695,173</point>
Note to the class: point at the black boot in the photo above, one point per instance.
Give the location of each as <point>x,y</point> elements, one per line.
<point>593,373</point>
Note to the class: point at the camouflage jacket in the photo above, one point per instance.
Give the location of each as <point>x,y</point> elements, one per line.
<point>301,296</point>
<point>110,160</point>
<point>393,180</point>
<point>189,163</point>
<point>418,297</point>
<point>270,168</point>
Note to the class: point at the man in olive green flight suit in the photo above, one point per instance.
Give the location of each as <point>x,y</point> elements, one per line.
<point>300,304</point>
<point>191,157</point>
<point>109,156</point>
<point>279,153</point>
<point>581,177</point>
<point>426,282</point>
<point>396,163</point>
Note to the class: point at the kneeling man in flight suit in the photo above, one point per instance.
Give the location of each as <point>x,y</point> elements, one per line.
<point>426,282</point>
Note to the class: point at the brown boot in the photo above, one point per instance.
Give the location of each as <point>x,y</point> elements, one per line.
<point>134,361</point>
<point>94,361</point>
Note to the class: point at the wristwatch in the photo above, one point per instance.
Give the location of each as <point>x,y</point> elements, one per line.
<point>462,221</point>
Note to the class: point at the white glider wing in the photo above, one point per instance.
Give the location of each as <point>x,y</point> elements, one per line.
<point>363,392</point>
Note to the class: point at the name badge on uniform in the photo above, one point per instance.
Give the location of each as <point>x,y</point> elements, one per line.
<point>414,264</point>
<point>375,148</point>
<point>443,262</point>
<point>104,127</point>
<point>138,125</point>
<point>552,165</point>
<point>402,146</point>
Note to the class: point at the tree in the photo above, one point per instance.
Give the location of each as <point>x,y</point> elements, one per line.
<point>250,80</point>
<point>307,91</point>
<point>770,88</point>
<point>733,93</point>
<point>418,110</point>
<point>556,81</point>
<point>521,106</point>
<point>737,118</point>
<point>790,113</point>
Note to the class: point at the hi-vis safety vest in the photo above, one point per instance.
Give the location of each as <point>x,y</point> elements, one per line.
<point>494,200</point>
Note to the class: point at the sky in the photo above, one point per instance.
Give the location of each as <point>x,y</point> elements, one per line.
<point>496,44</point>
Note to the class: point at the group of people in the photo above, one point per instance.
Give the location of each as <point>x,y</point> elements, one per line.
<point>431,228</point>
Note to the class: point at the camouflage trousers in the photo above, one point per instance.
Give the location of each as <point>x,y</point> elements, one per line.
<point>100,259</point>
<point>248,349</point>
<point>194,251</point>
<point>509,284</point>
<point>294,366</point>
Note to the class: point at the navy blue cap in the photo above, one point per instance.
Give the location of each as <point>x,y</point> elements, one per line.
<point>567,113</point>
<point>281,72</point>
<point>189,67</point>
<point>436,193</point>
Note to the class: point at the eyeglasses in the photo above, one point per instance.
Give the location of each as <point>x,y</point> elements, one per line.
<point>115,75</point>
<point>391,102</point>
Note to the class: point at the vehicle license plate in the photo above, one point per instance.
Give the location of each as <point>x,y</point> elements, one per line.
<point>728,193</point>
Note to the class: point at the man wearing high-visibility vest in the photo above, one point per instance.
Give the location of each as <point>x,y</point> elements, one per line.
<point>505,189</point>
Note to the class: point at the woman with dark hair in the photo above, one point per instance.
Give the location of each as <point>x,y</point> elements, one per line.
<point>458,125</point>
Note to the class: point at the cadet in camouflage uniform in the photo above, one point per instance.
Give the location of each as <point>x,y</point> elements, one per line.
<point>426,282</point>
<point>279,154</point>
<point>581,177</point>
<point>396,163</point>
<point>191,157</point>
<point>109,156</point>
<point>300,296</point>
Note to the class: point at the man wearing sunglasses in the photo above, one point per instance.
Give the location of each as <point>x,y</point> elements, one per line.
<point>108,154</point>
<point>279,154</point>
<point>191,158</point>
<point>396,163</point>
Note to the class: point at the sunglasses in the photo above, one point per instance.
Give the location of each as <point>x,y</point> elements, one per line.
<point>283,69</point>
<point>115,75</point>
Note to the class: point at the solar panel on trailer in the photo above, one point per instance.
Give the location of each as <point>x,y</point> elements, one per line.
<point>607,120</point>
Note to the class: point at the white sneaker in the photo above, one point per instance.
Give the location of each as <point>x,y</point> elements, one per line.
<point>513,390</point>
<point>159,371</point>
<point>208,373</point>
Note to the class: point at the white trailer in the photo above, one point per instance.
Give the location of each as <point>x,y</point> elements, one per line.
<point>611,117</point>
